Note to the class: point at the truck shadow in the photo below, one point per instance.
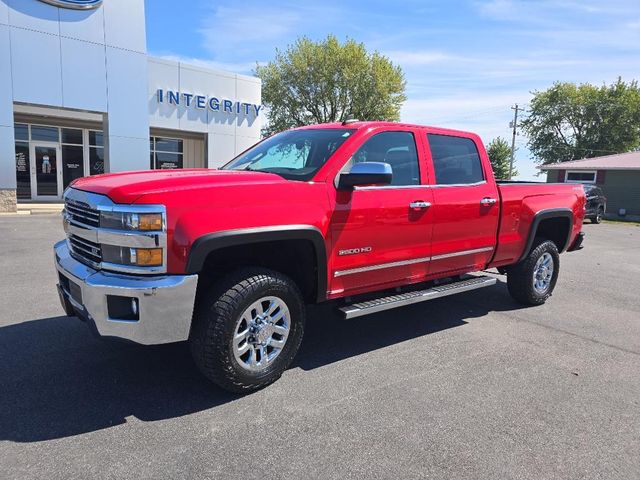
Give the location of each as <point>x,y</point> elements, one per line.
<point>329,338</point>
<point>58,381</point>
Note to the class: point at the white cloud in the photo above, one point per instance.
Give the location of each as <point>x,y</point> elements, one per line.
<point>234,29</point>
<point>415,58</point>
<point>552,12</point>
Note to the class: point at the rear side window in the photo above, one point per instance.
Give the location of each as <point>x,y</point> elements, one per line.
<point>398,149</point>
<point>455,160</point>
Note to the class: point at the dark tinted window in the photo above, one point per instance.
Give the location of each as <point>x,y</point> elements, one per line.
<point>168,161</point>
<point>455,160</point>
<point>592,191</point>
<point>23,171</point>
<point>581,176</point>
<point>48,134</point>
<point>398,149</point>
<point>168,145</point>
<point>96,160</point>
<point>95,138</point>
<point>72,135</point>
<point>72,163</point>
<point>21,131</point>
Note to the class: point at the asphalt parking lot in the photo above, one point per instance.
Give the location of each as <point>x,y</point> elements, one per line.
<point>473,386</point>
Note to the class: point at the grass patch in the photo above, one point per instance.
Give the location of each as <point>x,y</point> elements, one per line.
<point>621,222</point>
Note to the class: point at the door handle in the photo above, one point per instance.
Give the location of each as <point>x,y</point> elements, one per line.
<point>419,204</point>
<point>488,201</point>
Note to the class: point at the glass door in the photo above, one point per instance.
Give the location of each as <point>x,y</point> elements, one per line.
<point>46,174</point>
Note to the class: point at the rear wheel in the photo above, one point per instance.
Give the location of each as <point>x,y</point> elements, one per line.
<point>599,215</point>
<point>532,281</point>
<point>247,329</point>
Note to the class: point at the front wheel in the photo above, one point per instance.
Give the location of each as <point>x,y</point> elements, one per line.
<point>247,329</point>
<point>532,281</point>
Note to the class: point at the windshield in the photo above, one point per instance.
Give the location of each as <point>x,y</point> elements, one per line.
<point>294,155</point>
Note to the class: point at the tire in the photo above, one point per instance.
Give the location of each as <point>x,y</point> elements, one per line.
<point>221,314</point>
<point>522,284</point>
<point>598,217</point>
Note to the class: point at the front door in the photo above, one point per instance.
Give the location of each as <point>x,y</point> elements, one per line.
<point>381,234</point>
<point>46,174</point>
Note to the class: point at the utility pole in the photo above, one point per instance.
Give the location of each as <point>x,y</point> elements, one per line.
<point>514,124</point>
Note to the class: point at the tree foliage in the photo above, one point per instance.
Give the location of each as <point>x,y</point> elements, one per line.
<point>499,153</point>
<point>569,121</point>
<point>317,82</point>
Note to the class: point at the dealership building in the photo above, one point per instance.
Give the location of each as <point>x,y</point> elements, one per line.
<point>80,96</point>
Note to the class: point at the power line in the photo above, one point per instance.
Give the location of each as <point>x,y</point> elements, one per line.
<point>576,148</point>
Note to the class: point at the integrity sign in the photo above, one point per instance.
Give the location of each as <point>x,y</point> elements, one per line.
<point>203,102</point>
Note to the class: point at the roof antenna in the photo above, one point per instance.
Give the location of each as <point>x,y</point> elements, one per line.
<point>350,120</point>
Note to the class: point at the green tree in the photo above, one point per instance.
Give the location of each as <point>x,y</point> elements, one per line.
<point>569,121</point>
<point>499,153</point>
<point>328,81</point>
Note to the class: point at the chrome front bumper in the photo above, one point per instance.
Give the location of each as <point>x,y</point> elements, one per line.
<point>165,303</point>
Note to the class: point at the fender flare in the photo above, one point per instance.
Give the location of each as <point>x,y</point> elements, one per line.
<point>545,215</point>
<point>208,243</point>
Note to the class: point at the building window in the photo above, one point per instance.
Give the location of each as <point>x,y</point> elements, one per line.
<point>580,177</point>
<point>23,164</point>
<point>96,152</point>
<point>166,153</point>
<point>21,131</point>
<point>72,155</point>
<point>45,134</point>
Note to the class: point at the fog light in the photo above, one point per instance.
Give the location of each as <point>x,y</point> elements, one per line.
<point>146,257</point>
<point>123,308</point>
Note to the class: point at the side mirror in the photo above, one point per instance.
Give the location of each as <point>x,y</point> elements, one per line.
<point>366,173</point>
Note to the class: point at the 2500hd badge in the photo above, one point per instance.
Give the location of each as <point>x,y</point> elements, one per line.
<point>353,251</point>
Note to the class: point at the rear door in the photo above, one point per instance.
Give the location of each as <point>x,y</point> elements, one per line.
<point>381,234</point>
<point>465,207</point>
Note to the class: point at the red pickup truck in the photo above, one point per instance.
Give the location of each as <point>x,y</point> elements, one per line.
<point>368,215</point>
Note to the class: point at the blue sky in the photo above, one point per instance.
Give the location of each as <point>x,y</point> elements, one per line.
<point>466,62</point>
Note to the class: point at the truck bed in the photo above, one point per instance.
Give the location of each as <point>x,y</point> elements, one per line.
<point>519,202</point>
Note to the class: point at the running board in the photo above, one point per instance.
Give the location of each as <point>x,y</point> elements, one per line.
<point>402,299</point>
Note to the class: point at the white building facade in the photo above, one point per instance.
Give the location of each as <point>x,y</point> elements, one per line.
<point>80,96</point>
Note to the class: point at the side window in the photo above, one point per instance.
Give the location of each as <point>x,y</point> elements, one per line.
<point>398,149</point>
<point>455,160</point>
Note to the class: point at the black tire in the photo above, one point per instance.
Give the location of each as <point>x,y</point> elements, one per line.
<point>598,217</point>
<point>520,277</point>
<point>215,321</point>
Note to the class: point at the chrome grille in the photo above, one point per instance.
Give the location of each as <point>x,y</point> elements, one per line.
<point>79,212</point>
<point>91,243</point>
<point>85,250</point>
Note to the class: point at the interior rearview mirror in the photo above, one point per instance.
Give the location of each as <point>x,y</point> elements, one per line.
<point>366,173</point>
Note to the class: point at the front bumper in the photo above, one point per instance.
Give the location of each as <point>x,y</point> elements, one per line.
<point>164,303</point>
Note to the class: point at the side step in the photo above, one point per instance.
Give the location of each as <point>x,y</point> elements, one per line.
<point>402,299</point>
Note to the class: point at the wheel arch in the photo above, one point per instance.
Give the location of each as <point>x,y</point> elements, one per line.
<point>556,224</point>
<point>206,246</point>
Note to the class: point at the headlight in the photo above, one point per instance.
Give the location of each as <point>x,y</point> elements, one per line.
<point>131,221</point>
<point>141,257</point>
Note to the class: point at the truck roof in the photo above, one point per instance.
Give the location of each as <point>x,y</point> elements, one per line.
<point>365,124</point>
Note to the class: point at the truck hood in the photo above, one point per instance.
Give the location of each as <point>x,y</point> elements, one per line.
<point>127,187</point>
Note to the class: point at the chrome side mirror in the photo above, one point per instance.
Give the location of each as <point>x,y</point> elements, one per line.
<point>366,173</point>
